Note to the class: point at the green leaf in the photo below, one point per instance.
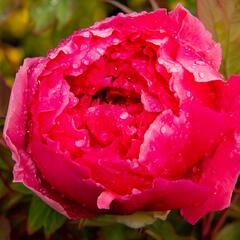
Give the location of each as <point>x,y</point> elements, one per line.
<point>230,232</point>
<point>141,219</point>
<point>53,222</point>
<point>63,12</point>
<point>222,19</point>
<point>40,215</point>
<point>118,232</point>
<point>4,228</point>
<point>42,13</point>
<point>19,187</point>
<point>163,230</point>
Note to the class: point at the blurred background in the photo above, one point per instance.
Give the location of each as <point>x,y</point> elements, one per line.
<point>29,28</point>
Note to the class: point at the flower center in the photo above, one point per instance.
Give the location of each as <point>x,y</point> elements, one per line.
<point>116,96</point>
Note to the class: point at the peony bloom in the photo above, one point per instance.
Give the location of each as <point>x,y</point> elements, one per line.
<point>129,114</point>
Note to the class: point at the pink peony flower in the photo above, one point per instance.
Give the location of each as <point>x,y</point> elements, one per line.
<point>129,114</point>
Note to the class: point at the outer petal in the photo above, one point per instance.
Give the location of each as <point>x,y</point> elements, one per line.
<point>15,132</point>
<point>219,174</point>
<point>174,144</point>
<point>201,40</point>
<point>161,197</point>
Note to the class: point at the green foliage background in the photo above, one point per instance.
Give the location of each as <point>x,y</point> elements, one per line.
<point>30,28</point>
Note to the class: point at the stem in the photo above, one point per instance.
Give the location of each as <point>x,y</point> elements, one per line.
<point>154,4</point>
<point>206,226</point>
<point>119,5</point>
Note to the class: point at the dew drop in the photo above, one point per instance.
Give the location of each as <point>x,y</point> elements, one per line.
<point>85,61</point>
<point>173,69</point>
<point>163,130</point>
<point>115,41</point>
<point>100,50</point>
<point>201,75</point>
<point>91,109</point>
<point>83,46</point>
<point>135,191</point>
<point>124,115</point>
<point>198,62</point>
<point>131,130</point>
<point>189,94</point>
<point>80,143</point>
<point>195,169</point>
<point>85,34</point>
<point>135,164</point>
<point>75,65</point>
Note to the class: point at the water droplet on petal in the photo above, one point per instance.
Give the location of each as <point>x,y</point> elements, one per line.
<point>75,65</point>
<point>189,94</point>
<point>173,69</point>
<point>83,46</point>
<point>124,115</point>
<point>201,75</point>
<point>85,34</point>
<point>195,169</point>
<point>100,50</point>
<point>85,61</point>
<point>81,142</point>
<point>91,109</point>
<point>198,62</point>
<point>131,130</point>
<point>135,191</point>
<point>237,138</point>
<point>115,41</point>
<point>163,130</point>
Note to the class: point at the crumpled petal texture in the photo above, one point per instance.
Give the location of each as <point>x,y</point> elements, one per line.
<point>129,114</point>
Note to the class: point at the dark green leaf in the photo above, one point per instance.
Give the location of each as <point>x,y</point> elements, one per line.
<point>40,215</point>
<point>43,13</point>
<point>116,232</point>
<point>19,187</point>
<point>53,223</point>
<point>63,12</point>
<point>37,213</point>
<point>222,19</point>
<point>163,230</point>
